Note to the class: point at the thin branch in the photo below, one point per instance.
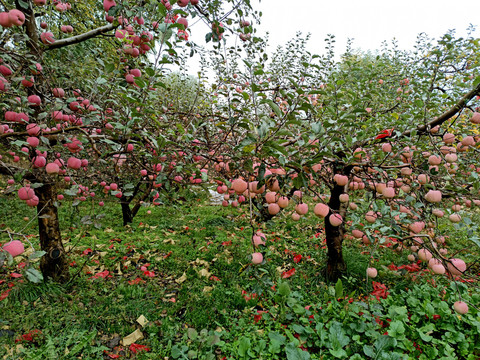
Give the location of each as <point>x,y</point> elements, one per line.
<point>11,170</point>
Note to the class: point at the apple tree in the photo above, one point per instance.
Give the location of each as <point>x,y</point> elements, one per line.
<point>383,144</point>
<point>78,101</point>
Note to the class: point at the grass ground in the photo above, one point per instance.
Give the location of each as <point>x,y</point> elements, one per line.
<point>185,269</point>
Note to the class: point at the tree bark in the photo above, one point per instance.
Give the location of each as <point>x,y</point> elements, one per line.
<point>334,235</point>
<point>81,37</point>
<point>53,264</point>
<point>336,266</point>
<point>126,213</point>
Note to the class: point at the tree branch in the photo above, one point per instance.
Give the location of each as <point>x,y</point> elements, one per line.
<point>80,38</point>
<point>422,129</point>
<point>11,170</point>
<point>30,27</point>
<point>447,114</point>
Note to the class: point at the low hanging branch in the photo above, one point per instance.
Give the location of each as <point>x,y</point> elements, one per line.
<point>82,37</point>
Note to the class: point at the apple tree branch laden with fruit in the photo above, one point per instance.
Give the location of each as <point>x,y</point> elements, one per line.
<point>91,131</point>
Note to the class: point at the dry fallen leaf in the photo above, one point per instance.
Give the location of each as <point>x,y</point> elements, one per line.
<point>142,320</point>
<point>28,252</point>
<point>119,269</point>
<point>13,350</point>
<point>200,262</point>
<point>133,337</point>
<point>89,269</point>
<point>136,257</point>
<point>181,279</point>
<point>207,289</point>
<point>205,272</point>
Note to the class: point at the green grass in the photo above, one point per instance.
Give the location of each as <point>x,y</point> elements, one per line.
<point>205,244</point>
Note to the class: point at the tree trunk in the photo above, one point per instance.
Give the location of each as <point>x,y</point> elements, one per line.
<point>126,213</point>
<point>54,263</point>
<point>135,209</point>
<point>336,266</point>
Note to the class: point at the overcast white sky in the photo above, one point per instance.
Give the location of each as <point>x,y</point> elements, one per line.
<point>369,22</point>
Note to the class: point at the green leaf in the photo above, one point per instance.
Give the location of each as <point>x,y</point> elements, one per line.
<point>475,240</point>
<point>72,191</point>
<point>150,71</point>
<point>249,148</point>
<point>294,353</point>
<point>36,255</point>
<point>337,336</point>
<point>141,83</point>
<point>425,332</point>
<point>368,350</point>
<point>19,143</point>
<point>317,128</point>
<point>45,140</point>
<point>396,329</point>
<point>298,309</point>
<point>339,289</point>
<point>476,81</point>
<point>299,329</point>
<point>34,276</point>
<point>384,343</point>
<point>109,68</point>
<point>178,351</point>
<point>192,333</point>
<point>284,289</point>
<point>273,106</point>
<point>276,341</point>
<point>243,346</point>
<point>23,4</point>
<point>213,339</point>
<point>356,357</point>
<point>339,353</point>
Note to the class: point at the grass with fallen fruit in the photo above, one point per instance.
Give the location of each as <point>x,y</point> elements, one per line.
<point>178,283</point>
